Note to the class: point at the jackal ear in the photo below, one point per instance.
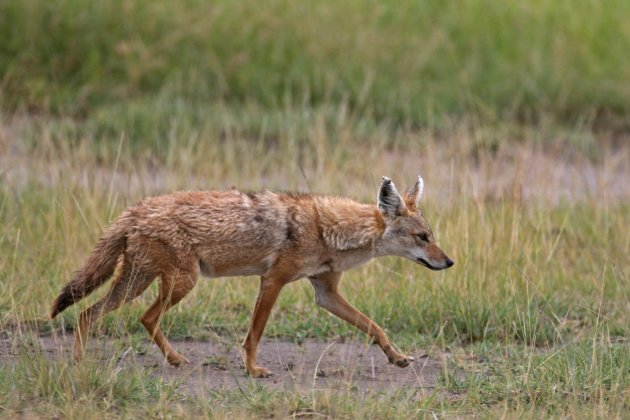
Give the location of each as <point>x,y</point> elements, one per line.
<point>414,193</point>
<point>390,203</point>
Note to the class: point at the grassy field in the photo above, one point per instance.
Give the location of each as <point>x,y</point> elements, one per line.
<point>516,115</point>
<point>534,311</point>
<point>404,61</point>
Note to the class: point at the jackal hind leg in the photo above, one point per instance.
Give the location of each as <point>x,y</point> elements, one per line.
<point>129,284</point>
<point>175,285</point>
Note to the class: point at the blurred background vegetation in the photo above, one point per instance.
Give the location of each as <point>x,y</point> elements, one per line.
<point>404,62</point>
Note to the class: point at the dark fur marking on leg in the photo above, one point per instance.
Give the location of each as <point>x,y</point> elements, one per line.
<point>204,268</point>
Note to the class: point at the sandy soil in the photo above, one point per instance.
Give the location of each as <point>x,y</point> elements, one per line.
<point>214,365</point>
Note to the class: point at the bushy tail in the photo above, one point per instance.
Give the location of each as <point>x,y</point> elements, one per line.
<point>98,268</point>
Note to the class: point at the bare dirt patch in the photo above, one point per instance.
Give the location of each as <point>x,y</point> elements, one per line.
<point>218,365</point>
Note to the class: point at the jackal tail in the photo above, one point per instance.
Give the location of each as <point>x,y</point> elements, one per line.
<point>98,268</point>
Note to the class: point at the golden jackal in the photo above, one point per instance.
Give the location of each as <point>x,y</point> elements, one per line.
<point>280,236</point>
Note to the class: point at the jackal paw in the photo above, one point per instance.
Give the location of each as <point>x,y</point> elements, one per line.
<point>176,359</point>
<point>259,372</point>
<point>400,360</point>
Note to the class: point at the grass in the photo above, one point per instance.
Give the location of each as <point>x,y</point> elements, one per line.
<point>586,376</point>
<point>535,307</point>
<point>585,380</point>
<point>515,113</point>
<point>414,62</point>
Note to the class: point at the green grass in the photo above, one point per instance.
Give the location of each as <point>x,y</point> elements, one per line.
<point>514,112</point>
<point>585,376</point>
<point>538,294</point>
<point>583,380</point>
<point>416,62</point>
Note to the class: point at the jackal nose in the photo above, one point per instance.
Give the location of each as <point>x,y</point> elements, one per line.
<point>449,262</point>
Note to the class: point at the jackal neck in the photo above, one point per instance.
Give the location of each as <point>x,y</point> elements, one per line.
<point>347,225</point>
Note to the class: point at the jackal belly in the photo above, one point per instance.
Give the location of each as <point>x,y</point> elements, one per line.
<point>245,251</point>
<point>235,266</point>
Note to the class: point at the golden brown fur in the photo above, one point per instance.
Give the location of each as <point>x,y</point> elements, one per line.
<point>279,236</point>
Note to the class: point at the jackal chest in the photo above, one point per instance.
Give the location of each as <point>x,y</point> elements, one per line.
<point>340,261</point>
<point>349,260</point>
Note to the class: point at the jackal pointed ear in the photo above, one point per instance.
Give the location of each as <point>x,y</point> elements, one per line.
<point>414,193</point>
<point>390,203</point>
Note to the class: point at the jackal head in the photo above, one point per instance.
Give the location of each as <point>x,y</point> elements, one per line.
<point>407,233</point>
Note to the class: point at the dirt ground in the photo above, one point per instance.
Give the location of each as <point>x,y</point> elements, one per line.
<point>218,365</point>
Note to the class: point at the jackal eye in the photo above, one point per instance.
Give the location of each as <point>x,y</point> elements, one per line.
<point>423,237</point>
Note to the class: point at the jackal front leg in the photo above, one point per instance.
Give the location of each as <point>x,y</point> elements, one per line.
<point>328,297</point>
<point>269,290</point>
